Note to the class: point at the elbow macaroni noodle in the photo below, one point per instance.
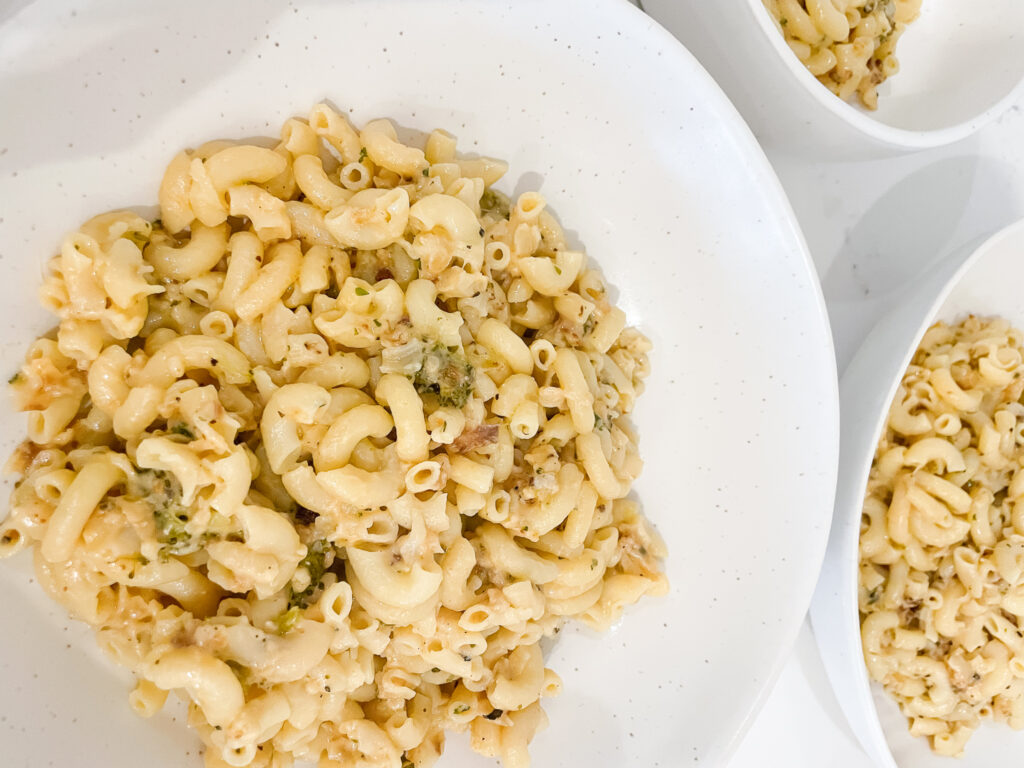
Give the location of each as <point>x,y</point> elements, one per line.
<point>942,537</point>
<point>331,447</point>
<point>849,45</point>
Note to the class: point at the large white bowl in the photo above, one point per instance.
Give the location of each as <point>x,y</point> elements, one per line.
<point>961,64</point>
<point>986,283</point>
<point>651,170</point>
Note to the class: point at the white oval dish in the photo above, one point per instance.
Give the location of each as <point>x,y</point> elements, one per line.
<point>652,171</point>
<point>957,72</point>
<point>986,283</point>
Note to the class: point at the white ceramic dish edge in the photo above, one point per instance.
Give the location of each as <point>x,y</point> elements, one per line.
<point>862,120</point>
<point>768,176</point>
<point>864,407</point>
<point>788,110</point>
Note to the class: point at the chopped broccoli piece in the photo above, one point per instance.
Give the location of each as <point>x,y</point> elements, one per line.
<point>286,621</point>
<point>171,522</point>
<point>162,491</point>
<point>446,373</point>
<point>494,202</point>
<point>315,563</point>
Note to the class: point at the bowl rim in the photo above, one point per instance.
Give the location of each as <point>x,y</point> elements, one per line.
<point>947,275</point>
<point>736,130</point>
<point>863,121</point>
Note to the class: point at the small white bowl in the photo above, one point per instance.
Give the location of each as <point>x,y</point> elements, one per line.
<point>986,283</point>
<point>961,64</point>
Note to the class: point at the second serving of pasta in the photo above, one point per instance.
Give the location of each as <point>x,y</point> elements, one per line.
<point>331,446</point>
<point>942,539</point>
<point>849,45</point>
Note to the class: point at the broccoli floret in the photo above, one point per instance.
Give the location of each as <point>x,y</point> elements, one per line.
<point>162,491</point>
<point>315,562</point>
<point>446,373</point>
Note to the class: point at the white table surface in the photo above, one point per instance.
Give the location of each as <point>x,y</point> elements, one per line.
<point>872,227</point>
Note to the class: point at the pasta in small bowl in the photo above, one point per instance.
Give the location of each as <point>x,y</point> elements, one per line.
<point>915,612</point>
<point>855,78</point>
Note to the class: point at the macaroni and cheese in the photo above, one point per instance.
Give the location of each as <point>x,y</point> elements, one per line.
<point>942,537</point>
<point>849,45</point>
<point>332,445</point>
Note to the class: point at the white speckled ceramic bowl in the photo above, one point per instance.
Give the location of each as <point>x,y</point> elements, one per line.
<point>650,169</point>
<point>960,67</point>
<point>986,283</point>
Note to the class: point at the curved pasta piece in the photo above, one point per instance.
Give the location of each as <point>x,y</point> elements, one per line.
<point>456,221</point>
<point>372,218</point>
<point>205,247</point>
<point>186,353</point>
<point>209,682</point>
<point>401,588</point>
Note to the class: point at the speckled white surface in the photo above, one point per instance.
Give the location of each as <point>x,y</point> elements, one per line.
<point>648,168</point>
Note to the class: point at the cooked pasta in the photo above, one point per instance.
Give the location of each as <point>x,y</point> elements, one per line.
<point>942,538</point>
<point>849,45</point>
<point>331,446</point>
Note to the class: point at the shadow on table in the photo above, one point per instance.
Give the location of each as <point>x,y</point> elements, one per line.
<point>911,227</point>
<point>805,652</point>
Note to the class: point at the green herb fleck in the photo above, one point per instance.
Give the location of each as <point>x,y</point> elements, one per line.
<point>16,378</point>
<point>314,562</point>
<point>494,714</point>
<point>783,21</point>
<point>376,322</point>
<point>407,763</point>
<point>558,270</point>
<point>139,238</point>
<point>598,422</point>
<point>593,563</point>
<point>362,154</point>
<point>360,291</point>
<point>446,373</point>
<point>461,709</point>
<point>426,172</point>
<point>181,428</point>
<point>874,594</point>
